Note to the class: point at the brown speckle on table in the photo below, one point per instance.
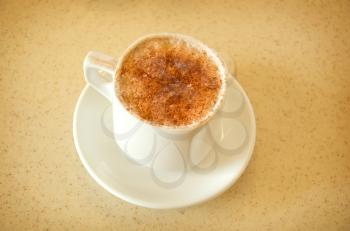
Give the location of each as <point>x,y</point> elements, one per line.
<point>291,57</point>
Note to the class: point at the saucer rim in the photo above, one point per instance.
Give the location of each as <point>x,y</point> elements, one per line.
<point>144,203</point>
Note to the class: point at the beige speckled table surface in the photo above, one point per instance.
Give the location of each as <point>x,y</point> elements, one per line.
<point>293,59</point>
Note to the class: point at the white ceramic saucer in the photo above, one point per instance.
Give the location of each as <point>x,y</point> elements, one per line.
<point>222,151</point>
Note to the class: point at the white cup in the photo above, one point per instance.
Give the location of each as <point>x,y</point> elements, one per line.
<point>101,71</point>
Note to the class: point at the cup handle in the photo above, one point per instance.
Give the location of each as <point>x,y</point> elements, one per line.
<point>99,71</point>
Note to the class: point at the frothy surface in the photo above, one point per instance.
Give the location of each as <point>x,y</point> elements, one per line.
<point>168,82</point>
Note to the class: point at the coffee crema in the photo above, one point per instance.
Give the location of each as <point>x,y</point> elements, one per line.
<point>167,81</point>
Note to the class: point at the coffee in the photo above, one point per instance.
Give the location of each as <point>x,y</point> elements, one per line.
<point>168,81</point>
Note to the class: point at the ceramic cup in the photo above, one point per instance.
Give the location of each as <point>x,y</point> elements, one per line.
<point>135,136</point>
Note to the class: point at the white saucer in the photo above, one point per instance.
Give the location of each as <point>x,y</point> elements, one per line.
<point>233,133</point>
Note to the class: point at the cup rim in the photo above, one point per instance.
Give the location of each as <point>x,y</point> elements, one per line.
<point>198,44</point>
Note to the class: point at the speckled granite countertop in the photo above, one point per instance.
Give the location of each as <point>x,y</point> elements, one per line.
<point>293,59</point>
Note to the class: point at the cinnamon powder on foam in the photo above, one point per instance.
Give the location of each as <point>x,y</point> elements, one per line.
<point>168,82</point>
